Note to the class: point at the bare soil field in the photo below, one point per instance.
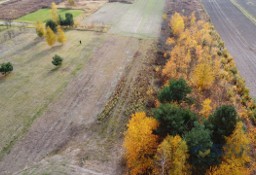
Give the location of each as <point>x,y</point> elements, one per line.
<point>141,18</point>
<point>71,120</point>
<point>238,33</point>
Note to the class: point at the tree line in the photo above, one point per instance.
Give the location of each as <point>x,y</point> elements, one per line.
<point>194,130</point>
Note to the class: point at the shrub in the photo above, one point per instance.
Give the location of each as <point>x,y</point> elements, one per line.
<point>57,60</point>
<point>69,21</point>
<point>6,68</point>
<point>176,91</point>
<point>40,30</point>
<point>50,23</point>
<point>174,120</point>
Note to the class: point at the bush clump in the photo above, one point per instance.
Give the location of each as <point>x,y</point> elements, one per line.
<point>57,60</point>
<point>6,68</point>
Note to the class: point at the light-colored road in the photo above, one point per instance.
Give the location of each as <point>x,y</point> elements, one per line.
<point>239,35</point>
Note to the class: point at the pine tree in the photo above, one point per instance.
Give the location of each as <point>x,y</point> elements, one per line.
<point>61,35</point>
<point>171,157</point>
<point>40,30</point>
<point>54,13</point>
<point>140,143</point>
<point>50,36</point>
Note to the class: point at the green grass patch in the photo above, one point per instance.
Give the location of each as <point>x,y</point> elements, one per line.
<point>2,28</point>
<point>44,14</point>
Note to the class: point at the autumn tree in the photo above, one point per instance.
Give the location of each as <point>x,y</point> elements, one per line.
<point>177,91</point>
<point>177,24</point>
<point>236,154</point>
<point>206,108</point>
<point>40,29</point>
<point>237,147</point>
<point>203,76</point>
<point>61,38</point>
<point>171,157</point>
<point>174,120</point>
<point>54,13</point>
<point>177,65</point>
<point>228,168</point>
<point>140,143</point>
<point>50,36</point>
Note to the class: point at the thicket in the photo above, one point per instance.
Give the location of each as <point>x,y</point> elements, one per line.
<point>52,31</point>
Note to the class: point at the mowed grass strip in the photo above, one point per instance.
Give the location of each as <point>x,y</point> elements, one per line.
<point>26,93</point>
<point>45,14</point>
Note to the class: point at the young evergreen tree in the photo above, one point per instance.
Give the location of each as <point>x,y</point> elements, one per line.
<point>174,120</point>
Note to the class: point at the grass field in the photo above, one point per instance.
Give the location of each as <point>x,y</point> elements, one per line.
<point>34,83</point>
<point>141,19</point>
<point>44,14</point>
<point>2,28</point>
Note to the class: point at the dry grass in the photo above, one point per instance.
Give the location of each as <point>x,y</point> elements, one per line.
<point>35,82</point>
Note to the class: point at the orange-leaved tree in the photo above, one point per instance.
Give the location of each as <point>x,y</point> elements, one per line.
<point>140,143</point>
<point>171,157</point>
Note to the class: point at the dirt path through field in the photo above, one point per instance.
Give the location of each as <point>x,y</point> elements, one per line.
<point>239,35</point>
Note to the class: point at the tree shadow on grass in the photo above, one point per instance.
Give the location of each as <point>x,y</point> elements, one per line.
<point>52,71</point>
<point>44,53</point>
<point>3,77</point>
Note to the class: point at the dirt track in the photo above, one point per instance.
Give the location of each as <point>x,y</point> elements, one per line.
<point>239,35</point>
